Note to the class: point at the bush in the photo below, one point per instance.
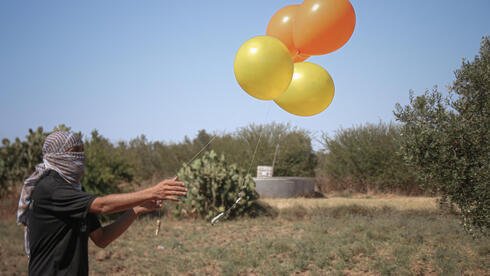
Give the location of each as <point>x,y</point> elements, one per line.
<point>214,186</point>
<point>365,158</point>
<point>105,169</point>
<point>446,139</point>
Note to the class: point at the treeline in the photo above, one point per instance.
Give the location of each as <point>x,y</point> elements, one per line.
<point>159,159</point>
<point>358,159</point>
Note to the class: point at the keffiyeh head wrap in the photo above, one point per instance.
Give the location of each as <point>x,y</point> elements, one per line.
<point>69,165</point>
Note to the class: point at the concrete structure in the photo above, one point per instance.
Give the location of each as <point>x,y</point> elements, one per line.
<point>285,187</point>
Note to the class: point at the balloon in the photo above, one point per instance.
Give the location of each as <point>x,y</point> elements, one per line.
<point>310,92</point>
<point>281,27</point>
<point>323,26</point>
<point>263,67</point>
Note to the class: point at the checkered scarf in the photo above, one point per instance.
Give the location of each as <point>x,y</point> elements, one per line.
<point>69,165</point>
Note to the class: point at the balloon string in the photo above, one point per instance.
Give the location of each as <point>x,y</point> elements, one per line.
<point>258,142</point>
<point>157,230</point>
<point>197,154</point>
<point>226,212</point>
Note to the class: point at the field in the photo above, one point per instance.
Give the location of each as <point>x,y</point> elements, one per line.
<point>375,235</point>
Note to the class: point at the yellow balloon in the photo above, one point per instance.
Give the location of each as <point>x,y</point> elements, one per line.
<point>311,91</point>
<point>263,67</point>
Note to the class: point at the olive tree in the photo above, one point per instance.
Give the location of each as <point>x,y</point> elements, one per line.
<point>446,139</point>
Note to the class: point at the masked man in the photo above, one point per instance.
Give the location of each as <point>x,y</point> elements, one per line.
<point>59,216</point>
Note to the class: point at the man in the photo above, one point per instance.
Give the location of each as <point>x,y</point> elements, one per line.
<point>59,216</point>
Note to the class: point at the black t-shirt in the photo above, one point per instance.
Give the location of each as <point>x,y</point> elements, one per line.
<point>59,227</point>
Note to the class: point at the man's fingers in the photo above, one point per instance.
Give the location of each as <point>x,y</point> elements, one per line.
<point>175,183</point>
<point>175,188</point>
<point>172,198</point>
<point>176,193</point>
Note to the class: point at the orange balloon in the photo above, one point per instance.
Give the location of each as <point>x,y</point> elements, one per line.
<point>281,27</point>
<point>323,26</point>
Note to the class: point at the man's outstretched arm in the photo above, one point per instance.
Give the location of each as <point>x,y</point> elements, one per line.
<point>165,190</point>
<point>103,236</point>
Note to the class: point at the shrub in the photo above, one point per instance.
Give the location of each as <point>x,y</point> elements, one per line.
<point>365,159</point>
<point>214,186</point>
<point>105,169</point>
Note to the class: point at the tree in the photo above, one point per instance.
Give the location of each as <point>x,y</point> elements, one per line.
<point>105,169</point>
<point>365,158</point>
<point>446,139</point>
<point>295,156</point>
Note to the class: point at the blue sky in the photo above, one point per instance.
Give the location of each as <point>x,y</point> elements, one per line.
<point>165,68</point>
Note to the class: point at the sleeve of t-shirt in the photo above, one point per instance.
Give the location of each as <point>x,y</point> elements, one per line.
<point>67,201</point>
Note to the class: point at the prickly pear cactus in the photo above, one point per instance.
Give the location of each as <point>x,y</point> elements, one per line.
<point>213,187</point>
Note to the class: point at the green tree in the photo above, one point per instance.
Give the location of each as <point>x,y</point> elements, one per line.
<point>295,156</point>
<point>62,127</point>
<point>365,158</point>
<point>446,139</point>
<point>105,168</point>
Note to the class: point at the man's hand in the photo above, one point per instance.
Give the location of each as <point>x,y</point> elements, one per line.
<point>168,189</point>
<point>147,207</point>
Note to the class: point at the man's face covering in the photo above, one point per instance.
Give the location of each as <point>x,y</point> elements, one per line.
<point>62,152</point>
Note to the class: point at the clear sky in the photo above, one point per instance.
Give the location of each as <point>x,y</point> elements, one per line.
<point>165,68</point>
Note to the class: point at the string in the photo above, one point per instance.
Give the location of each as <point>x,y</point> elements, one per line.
<point>185,164</point>
<point>258,142</point>
<point>226,212</point>
<point>197,154</point>
<point>248,171</point>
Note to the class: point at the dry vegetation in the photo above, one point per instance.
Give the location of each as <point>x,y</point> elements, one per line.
<point>335,236</point>
<point>370,201</point>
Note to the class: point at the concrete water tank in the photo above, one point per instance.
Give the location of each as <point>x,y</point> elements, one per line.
<point>285,186</point>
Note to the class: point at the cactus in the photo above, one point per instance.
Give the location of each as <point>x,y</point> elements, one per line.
<point>213,187</point>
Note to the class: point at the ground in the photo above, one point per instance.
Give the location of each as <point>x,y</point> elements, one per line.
<point>368,235</point>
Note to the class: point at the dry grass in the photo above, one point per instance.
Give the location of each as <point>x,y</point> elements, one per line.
<point>395,202</point>
<point>310,237</point>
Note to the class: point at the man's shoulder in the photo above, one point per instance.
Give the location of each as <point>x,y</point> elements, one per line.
<point>50,181</point>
